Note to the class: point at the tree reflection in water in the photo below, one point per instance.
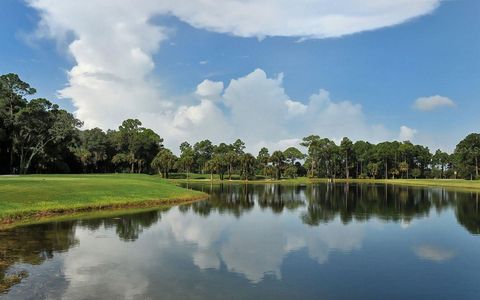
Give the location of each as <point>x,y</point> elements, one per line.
<point>316,204</point>
<point>128,227</point>
<point>325,202</point>
<point>36,243</point>
<point>32,245</point>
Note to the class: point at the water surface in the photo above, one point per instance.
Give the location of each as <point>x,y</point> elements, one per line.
<point>259,241</point>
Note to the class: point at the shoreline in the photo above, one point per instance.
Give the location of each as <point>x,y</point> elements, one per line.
<point>35,217</point>
<point>32,198</point>
<point>442,183</point>
<point>62,206</point>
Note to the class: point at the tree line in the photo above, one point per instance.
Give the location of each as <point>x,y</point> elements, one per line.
<point>37,136</point>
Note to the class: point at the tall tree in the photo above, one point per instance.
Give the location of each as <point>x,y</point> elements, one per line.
<point>209,167</point>
<point>138,144</point>
<point>231,158</point>
<point>292,154</point>
<point>363,153</point>
<point>441,159</point>
<point>187,158</point>
<point>219,164</point>
<point>278,161</point>
<point>468,152</point>
<point>346,147</point>
<point>406,152</point>
<point>164,161</point>
<point>385,155</point>
<point>262,160</point>
<point>422,158</point>
<point>313,144</point>
<point>238,147</point>
<point>330,156</point>
<point>373,168</point>
<point>83,155</point>
<point>12,99</point>
<point>92,148</point>
<point>203,152</point>
<point>37,125</point>
<point>247,165</point>
<point>403,168</point>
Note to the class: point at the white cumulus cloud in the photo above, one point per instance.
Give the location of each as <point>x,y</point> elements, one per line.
<point>295,108</point>
<point>112,43</point>
<point>406,133</point>
<point>209,89</point>
<point>432,102</point>
<point>304,18</point>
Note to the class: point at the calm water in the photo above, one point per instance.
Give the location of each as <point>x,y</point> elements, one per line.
<point>260,242</point>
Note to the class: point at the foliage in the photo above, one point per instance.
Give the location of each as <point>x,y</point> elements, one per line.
<point>247,165</point>
<point>164,162</point>
<point>467,154</point>
<point>36,136</point>
<point>278,162</point>
<point>187,158</point>
<point>416,173</point>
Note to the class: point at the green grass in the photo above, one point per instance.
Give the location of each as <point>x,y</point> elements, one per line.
<point>447,183</point>
<point>39,196</point>
<point>24,197</point>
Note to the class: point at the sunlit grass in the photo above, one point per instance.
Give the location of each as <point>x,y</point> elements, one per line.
<point>22,196</point>
<point>448,183</point>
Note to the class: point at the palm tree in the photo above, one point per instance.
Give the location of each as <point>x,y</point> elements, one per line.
<point>247,165</point>
<point>164,162</point>
<point>209,167</point>
<point>121,158</point>
<point>83,155</point>
<point>231,158</point>
<point>219,164</point>
<point>187,163</point>
<point>403,167</point>
<point>278,161</point>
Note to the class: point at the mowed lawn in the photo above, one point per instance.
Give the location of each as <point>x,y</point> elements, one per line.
<point>446,183</point>
<point>28,195</point>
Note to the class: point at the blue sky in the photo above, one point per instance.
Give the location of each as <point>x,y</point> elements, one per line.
<point>382,70</point>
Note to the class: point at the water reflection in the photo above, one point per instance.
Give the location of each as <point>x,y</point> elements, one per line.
<point>433,253</point>
<point>350,202</point>
<point>468,214</point>
<point>128,227</point>
<point>32,245</point>
<point>244,236</point>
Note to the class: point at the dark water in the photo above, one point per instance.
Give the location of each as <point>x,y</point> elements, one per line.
<point>260,242</point>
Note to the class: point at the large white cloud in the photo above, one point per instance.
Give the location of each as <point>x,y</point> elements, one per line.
<point>304,18</point>
<point>113,42</point>
<point>258,110</point>
<point>112,46</point>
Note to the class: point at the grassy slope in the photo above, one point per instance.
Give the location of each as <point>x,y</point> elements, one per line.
<point>450,183</point>
<point>24,196</point>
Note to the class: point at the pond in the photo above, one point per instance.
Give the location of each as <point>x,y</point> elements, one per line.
<point>259,242</point>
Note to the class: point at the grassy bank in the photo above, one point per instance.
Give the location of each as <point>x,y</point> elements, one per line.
<point>37,196</point>
<point>40,196</point>
<point>447,183</point>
